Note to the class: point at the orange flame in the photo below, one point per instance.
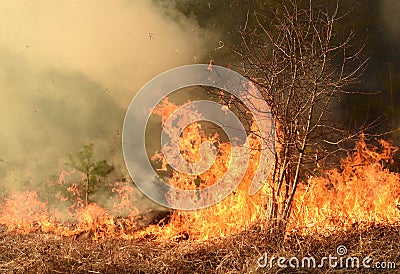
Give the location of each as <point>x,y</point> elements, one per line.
<point>360,191</point>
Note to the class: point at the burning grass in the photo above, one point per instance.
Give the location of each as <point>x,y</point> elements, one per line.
<point>361,191</point>
<point>356,205</point>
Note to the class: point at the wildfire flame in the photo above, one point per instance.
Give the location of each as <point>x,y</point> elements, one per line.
<point>233,213</point>
<point>361,191</point>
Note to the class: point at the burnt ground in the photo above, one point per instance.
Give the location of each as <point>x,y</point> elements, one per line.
<point>45,253</point>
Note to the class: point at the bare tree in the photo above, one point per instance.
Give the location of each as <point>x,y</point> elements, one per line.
<point>301,64</point>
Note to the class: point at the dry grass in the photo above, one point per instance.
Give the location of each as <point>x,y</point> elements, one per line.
<point>44,253</point>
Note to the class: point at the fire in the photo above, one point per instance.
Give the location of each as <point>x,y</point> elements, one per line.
<point>23,212</point>
<point>360,191</point>
<point>232,214</point>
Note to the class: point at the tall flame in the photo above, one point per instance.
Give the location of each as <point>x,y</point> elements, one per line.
<point>229,216</point>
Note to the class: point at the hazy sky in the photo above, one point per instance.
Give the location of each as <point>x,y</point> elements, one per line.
<point>68,71</point>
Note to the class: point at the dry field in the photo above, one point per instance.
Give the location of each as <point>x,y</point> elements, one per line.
<point>46,253</point>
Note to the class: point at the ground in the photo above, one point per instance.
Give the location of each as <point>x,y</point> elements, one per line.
<point>45,253</point>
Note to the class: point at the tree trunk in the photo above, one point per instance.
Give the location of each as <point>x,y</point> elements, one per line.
<point>87,190</point>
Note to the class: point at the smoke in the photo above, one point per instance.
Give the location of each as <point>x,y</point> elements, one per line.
<point>68,71</point>
<point>390,12</point>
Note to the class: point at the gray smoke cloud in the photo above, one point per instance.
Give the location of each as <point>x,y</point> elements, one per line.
<point>68,72</point>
